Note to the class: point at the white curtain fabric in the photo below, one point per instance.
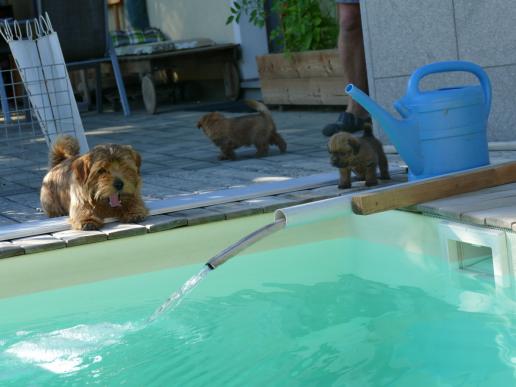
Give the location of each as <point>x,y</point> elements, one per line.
<point>43,71</point>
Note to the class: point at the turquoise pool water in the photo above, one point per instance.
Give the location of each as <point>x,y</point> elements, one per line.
<point>342,312</point>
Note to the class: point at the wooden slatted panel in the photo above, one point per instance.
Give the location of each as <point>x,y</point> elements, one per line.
<point>322,63</point>
<point>307,91</point>
<point>307,78</point>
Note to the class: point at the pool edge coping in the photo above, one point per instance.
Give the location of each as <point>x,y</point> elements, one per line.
<point>56,233</point>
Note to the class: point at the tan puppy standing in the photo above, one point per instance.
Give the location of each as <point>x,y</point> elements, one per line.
<point>103,183</point>
<point>361,155</point>
<point>229,134</point>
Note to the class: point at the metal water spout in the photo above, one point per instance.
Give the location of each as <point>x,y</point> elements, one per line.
<point>243,243</point>
<point>175,298</point>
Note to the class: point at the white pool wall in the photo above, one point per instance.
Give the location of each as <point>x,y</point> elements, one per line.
<point>413,232</point>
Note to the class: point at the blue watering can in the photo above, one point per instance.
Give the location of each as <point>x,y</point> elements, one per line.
<point>441,131</point>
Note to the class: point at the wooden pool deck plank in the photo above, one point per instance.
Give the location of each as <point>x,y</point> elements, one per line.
<point>118,230</point>
<point>158,223</point>
<point>503,217</point>
<point>455,207</point>
<point>77,237</point>
<point>471,197</point>
<point>39,243</point>
<point>494,207</point>
<point>8,249</point>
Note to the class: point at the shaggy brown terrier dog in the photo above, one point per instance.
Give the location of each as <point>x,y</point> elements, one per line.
<point>103,183</point>
<point>358,154</point>
<point>232,133</point>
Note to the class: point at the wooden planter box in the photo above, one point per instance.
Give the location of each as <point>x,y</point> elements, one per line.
<point>304,78</point>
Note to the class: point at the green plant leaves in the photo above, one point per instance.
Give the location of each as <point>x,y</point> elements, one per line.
<point>253,9</point>
<point>302,26</point>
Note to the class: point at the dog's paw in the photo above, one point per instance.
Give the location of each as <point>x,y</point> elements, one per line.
<point>385,176</point>
<point>133,217</point>
<point>370,183</point>
<point>89,227</point>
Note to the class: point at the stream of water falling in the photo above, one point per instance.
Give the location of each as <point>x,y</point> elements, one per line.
<point>175,298</point>
<point>66,350</point>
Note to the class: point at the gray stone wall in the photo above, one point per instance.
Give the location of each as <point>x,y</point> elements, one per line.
<point>402,35</point>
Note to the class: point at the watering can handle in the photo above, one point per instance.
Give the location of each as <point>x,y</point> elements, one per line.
<point>443,67</point>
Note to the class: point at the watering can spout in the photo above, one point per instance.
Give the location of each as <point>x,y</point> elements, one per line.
<point>403,133</point>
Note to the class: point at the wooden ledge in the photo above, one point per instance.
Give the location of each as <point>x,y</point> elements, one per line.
<point>420,191</point>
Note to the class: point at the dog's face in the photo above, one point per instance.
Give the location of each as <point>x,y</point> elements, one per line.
<point>208,122</point>
<point>108,173</point>
<point>343,148</point>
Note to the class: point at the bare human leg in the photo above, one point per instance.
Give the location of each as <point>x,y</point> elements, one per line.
<point>351,51</point>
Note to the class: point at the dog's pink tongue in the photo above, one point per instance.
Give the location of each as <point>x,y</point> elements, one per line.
<point>114,200</point>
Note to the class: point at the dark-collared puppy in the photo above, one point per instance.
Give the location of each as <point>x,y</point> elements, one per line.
<point>229,134</point>
<point>361,155</point>
<point>103,183</point>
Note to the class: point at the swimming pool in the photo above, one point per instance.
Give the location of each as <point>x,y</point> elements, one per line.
<point>333,299</point>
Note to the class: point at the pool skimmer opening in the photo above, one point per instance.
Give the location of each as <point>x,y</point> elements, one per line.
<point>477,250</point>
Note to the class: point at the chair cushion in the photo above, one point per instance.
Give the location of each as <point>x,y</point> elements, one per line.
<point>122,38</point>
<point>145,48</point>
<point>164,46</point>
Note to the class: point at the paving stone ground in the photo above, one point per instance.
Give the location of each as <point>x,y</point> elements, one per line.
<point>177,158</point>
